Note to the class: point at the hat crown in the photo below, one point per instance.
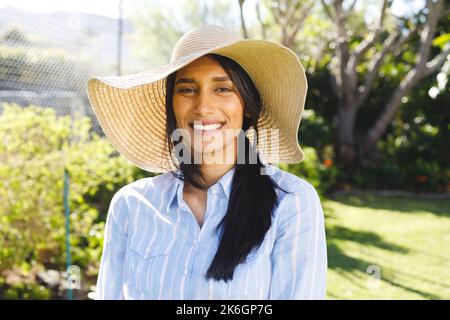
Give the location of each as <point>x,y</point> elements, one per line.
<point>202,38</point>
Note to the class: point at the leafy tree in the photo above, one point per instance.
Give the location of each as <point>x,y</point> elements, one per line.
<point>159,26</point>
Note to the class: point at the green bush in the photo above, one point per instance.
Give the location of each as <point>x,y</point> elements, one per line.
<point>36,147</point>
<point>322,175</point>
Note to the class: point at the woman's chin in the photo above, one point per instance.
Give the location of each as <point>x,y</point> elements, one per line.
<point>208,149</point>
<point>213,154</point>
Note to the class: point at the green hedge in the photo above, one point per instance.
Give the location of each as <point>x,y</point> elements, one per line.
<point>35,149</point>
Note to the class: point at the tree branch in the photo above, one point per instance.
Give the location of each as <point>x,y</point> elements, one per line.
<point>292,11</point>
<point>277,12</point>
<point>427,35</point>
<point>420,70</point>
<point>374,66</point>
<point>362,48</point>
<point>241,10</point>
<point>299,22</point>
<point>350,9</point>
<point>405,39</point>
<point>390,45</point>
<point>438,61</point>
<point>261,23</point>
<point>327,10</point>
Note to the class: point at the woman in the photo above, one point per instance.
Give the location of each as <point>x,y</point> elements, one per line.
<point>220,222</point>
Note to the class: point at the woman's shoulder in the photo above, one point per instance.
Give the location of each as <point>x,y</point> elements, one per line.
<point>145,187</point>
<point>289,181</point>
<point>133,201</point>
<point>300,200</point>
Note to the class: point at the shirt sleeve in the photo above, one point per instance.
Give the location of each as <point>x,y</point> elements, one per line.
<point>109,281</point>
<point>299,256</point>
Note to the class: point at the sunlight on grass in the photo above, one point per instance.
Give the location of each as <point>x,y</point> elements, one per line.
<point>406,239</point>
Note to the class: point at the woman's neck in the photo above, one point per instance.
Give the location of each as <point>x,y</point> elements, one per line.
<point>213,172</point>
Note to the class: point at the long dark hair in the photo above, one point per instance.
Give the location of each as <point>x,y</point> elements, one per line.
<point>252,198</point>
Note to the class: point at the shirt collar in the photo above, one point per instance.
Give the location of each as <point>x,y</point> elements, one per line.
<point>225,182</point>
<point>173,192</point>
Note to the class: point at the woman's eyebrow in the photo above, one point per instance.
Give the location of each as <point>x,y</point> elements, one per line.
<point>219,79</point>
<point>190,80</point>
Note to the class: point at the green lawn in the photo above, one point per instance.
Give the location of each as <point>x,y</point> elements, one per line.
<point>406,239</point>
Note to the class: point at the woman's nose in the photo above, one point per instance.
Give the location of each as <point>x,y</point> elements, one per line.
<point>204,103</point>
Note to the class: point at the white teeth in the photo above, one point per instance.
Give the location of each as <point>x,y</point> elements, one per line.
<point>207,127</point>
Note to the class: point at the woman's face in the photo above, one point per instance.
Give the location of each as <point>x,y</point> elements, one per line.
<point>207,104</point>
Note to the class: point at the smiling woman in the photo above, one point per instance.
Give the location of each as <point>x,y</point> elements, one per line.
<point>239,229</point>
<point>206,102</point>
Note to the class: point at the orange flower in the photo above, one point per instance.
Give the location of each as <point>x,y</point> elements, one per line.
<point>422,178</point>
<point>328,162</point>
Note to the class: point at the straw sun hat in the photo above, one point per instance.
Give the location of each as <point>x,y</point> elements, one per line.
<point>131,108</point>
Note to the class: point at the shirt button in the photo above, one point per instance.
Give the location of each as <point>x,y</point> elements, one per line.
<point>186,272</point>
<point>147,250</point>
<point>213,190</point>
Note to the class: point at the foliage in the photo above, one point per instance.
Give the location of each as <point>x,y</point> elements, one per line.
<point>413,155</point>
<point>163,24</point>
<point>36,147</point>
<point>322,175</point>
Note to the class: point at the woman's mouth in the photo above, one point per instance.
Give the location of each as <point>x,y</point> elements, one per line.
<point>206,129</point>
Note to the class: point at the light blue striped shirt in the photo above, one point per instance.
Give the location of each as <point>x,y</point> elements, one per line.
<point>154,247</point>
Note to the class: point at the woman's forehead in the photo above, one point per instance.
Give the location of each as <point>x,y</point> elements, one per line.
<point>203,66</point>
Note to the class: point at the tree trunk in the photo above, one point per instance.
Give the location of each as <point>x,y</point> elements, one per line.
<point>351,149</point>
<point>345,142</point>
<point>241,11</point>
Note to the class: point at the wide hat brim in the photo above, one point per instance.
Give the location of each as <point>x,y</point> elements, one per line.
<point>131,109</point>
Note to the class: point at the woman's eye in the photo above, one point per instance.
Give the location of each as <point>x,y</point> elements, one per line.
<point>185,90</point>
<point>224,89</point>
<point>193,90</point>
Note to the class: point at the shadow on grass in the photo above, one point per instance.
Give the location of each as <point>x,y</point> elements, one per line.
<point>439,207</point>
<point>355,269</point>
<point>401,272</point>
<point>363,237</point>
<point>426,295</point>
<point>344,264</point>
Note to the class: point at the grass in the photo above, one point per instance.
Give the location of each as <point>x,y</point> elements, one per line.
<point>404,240</point>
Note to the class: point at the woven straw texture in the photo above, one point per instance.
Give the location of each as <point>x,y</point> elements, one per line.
<point>131,108</point>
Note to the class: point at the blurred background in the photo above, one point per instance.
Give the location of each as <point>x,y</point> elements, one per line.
<point>375,131</point>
